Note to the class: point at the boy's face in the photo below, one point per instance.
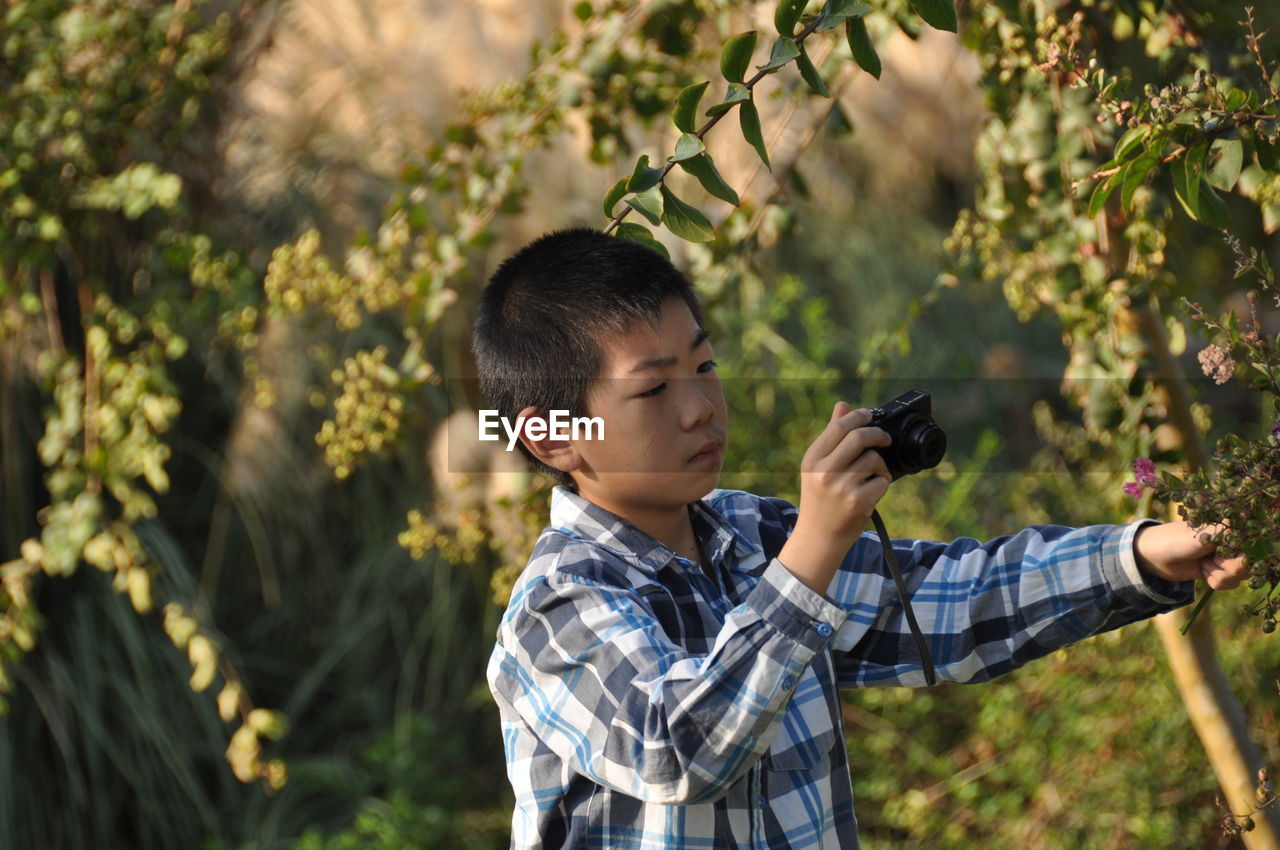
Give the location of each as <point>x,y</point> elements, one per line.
<point>662,405</point>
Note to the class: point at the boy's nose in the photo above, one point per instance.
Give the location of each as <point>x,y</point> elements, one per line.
<point>696,404</point>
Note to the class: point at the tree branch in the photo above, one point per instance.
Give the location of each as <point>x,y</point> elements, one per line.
<point>705,128</point>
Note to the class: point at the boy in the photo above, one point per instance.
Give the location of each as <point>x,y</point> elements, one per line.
<point>667,669</point>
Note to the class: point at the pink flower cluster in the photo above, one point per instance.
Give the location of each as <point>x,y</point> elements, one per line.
<point>1216,363</point>
<point>1145,471</point>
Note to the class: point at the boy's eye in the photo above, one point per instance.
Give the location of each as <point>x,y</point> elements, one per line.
<point>704,368</point>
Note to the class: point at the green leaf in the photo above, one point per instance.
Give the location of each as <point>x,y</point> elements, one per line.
<point>1121,178</point>
<point>640,233</point>
<point>644,177</point>
<point>684,220</point>
<point>838,123</point>
<point>686,111</point>
<point>847,8</point>
<point>787,15</point>
<point>736,94</point>
<point>648,203</point>
<point>1187,171</point>
<point>864,52</point>
<point>689,145</point>
<point>1131,140</point>
<point>1268,155</point>
<point>614,195</point>
<point>1102,191</point>
<point>1213,210</point>
<point>1270,220</point>
<point>736,56</point>
<point>939,14</point>
<point>784,50</point>
<point>811,75</point>
<point>1136,173</point>
<point>749,119</point>
<point>837,11</point>
<point>704,168</point>
<point>1226,158</point>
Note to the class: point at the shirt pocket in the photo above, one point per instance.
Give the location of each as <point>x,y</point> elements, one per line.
<point>808,730</point>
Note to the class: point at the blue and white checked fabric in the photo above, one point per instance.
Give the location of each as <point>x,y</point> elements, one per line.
<point>648,706</point>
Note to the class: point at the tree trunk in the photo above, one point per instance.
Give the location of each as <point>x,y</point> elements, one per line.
<point>1218,719</point>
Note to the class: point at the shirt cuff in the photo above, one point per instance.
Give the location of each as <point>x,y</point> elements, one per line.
<point>791,607</point>
<point>1129,580</point>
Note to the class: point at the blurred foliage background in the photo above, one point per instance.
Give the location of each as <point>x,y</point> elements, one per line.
<point>249,587</point>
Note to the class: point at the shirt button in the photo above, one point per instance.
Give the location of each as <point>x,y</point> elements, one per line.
<point>761,801</point>
<point>824,629</point>
<point>788,682</point>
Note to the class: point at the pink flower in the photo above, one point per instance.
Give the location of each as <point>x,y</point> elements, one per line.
<point>1146,472</point>
<point>1216,363</point>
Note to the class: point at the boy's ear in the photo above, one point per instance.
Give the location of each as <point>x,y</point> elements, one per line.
<point>557,454</point>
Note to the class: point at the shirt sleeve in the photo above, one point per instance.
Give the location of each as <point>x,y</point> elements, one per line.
<point>987,607</point>
<point>588,667</point>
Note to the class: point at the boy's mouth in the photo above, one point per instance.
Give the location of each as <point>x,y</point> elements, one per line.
<point>709,451</point>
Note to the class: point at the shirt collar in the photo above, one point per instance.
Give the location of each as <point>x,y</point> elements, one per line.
<point>584,520</point>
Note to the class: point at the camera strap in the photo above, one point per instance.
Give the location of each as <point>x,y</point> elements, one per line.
<point>892,561</point>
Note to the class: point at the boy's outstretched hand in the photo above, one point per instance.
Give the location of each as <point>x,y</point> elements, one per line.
<point>1175,552</point>
<point>841,480</point>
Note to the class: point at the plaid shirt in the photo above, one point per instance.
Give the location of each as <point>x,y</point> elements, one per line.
<point>647,705</point>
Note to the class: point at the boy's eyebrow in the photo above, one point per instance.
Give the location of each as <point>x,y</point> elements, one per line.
<point>659,362</point>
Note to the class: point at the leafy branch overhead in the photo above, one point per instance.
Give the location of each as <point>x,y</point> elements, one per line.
<point>1202,132</point>
<point>645,191</point>
<point>1201,138</point>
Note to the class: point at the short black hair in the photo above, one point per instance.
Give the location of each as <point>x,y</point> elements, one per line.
<point>537,334</point>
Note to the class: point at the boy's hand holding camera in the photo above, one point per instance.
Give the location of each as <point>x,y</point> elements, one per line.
<point>841,480</point>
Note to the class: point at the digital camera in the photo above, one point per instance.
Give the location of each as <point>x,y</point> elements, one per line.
<point>918,442</point>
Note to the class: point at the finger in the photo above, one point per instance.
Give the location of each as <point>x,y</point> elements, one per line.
<point>875,461</point>
<point>1219,579</point>
<point>1238,567</point>
<point>875,487</point>
<point>837,429</point>
<point>1211,572</point>
<point>1223,573</point>
<point>866,466</point>
<point>856,443</point>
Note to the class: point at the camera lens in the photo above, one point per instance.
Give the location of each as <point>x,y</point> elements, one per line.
<point>923,443</point>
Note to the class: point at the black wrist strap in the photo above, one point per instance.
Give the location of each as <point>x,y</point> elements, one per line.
<point>892,561</point>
